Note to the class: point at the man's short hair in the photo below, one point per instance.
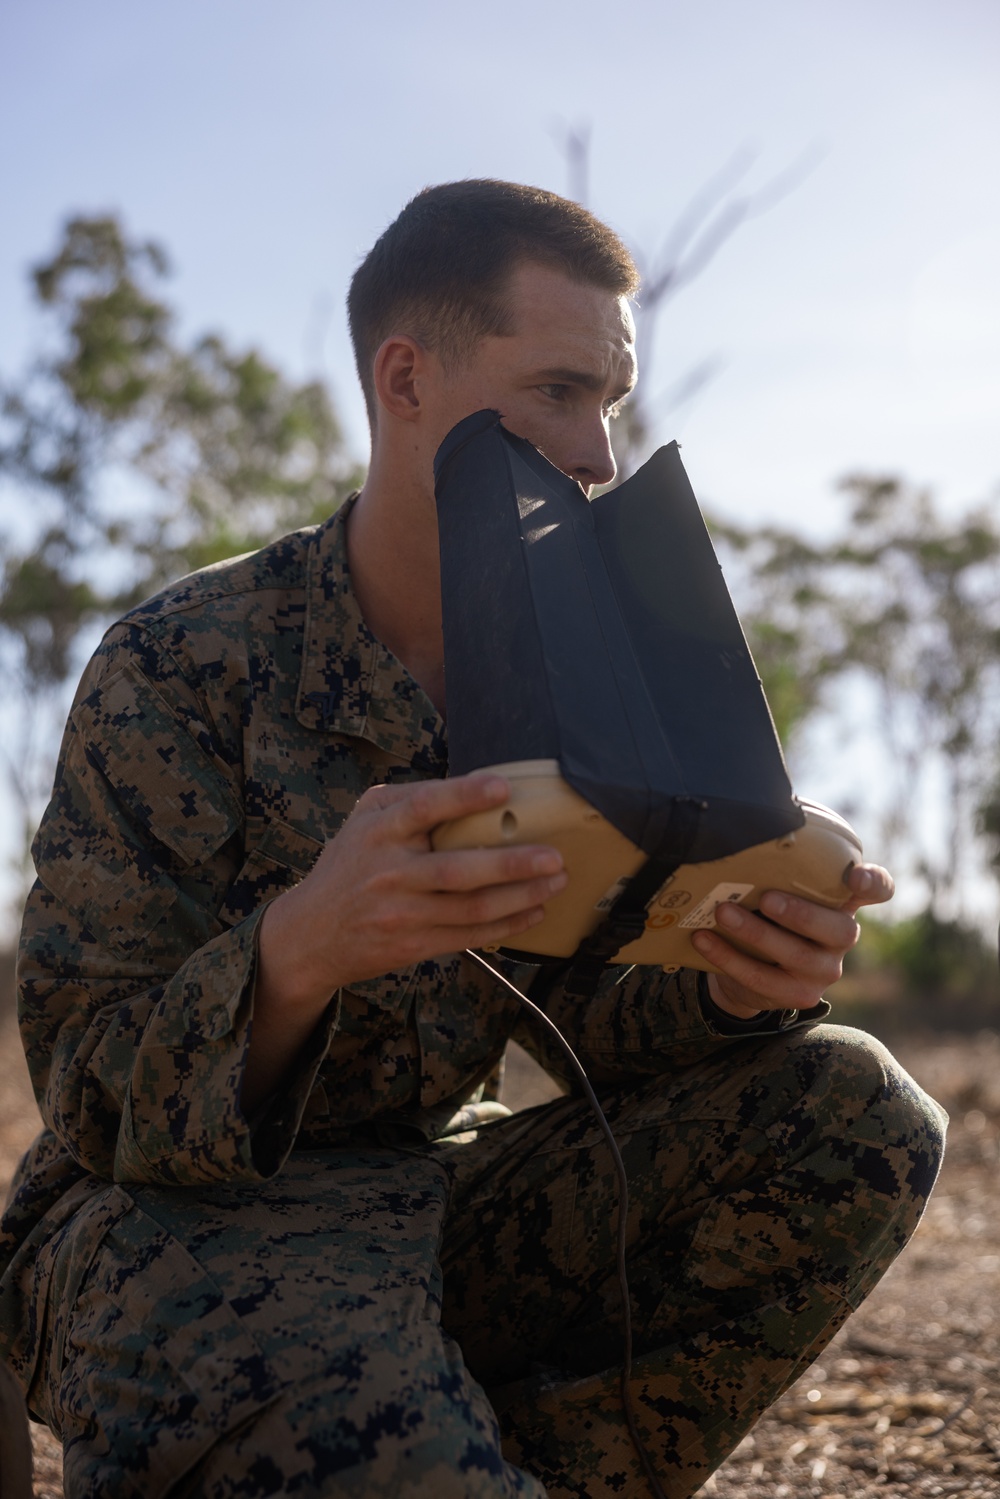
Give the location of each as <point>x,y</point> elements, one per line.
<point>441,270</point>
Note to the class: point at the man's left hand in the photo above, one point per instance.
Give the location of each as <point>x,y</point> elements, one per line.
<point>804,944</point>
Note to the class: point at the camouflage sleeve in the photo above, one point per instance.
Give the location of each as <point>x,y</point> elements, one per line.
<point>641,1021</point>
<point>136,987</point>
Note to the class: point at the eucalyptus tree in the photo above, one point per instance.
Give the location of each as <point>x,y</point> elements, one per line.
<point>129,457</point>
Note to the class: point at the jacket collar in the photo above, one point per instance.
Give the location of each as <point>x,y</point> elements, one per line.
<point>350,683</point>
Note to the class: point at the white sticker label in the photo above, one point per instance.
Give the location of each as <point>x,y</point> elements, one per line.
<point>609,897</point>
<point>703,914</point>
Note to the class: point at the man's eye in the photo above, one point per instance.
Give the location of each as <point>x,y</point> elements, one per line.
<point>615,409</point>
<point>554,392</point>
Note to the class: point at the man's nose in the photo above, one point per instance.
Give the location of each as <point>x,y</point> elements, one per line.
<point>593,461</point>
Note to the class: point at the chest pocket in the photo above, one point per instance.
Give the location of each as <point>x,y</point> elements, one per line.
<point>279,857</point>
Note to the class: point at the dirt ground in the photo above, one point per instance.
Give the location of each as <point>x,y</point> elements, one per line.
<point>906,1401</point>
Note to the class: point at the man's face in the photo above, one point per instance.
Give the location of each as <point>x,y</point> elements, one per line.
<point>558,377</point>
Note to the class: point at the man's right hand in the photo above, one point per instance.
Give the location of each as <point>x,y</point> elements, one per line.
<point>380,898</point>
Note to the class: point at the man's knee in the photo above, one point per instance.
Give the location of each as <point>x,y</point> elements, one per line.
<point>849,1148</point>
<point>853,1088</point>
<point>862,1145</point>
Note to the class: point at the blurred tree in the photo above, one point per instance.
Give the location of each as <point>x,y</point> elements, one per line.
<point>706,223</point>
<point>782,590</point>
<point>921,971</point>
<point>908,604</point>
<point>134,459</point>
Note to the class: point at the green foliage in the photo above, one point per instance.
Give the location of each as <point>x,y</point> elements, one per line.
<point>45,609</point>
<point>988,822</point>
<point>774,573</point>
<point>908,605</point>
<point>922,971</point>
<point>116,334</point>
<point>229,451</point>
<point>215,450</point>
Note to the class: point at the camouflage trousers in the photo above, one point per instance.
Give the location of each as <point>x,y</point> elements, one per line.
<point>444,1321</point>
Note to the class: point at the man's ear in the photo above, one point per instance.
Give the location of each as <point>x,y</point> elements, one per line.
<point>399,375</point>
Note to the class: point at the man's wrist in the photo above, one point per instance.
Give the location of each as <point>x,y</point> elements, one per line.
<point>719,999</point>
<point>722,1021</point>
<point>287,965</point>
<point>725,1023</point>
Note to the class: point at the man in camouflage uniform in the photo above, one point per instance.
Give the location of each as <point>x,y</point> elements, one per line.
<point>273,1238</point>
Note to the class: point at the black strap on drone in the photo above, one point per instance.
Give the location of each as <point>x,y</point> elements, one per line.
<point>625,921</point>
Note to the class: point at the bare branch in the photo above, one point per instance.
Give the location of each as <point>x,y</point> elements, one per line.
<point>574,143</point>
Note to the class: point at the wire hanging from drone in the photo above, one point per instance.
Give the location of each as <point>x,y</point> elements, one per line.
<point>577,1067</point>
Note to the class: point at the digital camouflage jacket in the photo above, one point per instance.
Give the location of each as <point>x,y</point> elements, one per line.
<point>223,731</point>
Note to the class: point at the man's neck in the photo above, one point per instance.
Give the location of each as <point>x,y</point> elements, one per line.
<point>392,551</point>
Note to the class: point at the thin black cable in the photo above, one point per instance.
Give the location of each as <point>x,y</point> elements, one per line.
<point>619,1165</point>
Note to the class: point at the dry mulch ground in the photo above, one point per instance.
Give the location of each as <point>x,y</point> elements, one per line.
<point>906,1400</point>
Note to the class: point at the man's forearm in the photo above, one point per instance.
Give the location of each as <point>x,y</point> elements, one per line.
<point>288,1001</point>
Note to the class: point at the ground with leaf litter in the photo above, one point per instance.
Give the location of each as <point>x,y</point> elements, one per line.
<point>906,1400</point>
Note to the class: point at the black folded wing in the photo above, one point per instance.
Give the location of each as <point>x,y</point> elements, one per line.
<point>602,635</point>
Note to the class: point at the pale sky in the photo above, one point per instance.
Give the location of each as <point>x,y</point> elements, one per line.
<point>856,324</point>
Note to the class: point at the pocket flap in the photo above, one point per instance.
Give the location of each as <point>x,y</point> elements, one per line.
<point>282,856</point>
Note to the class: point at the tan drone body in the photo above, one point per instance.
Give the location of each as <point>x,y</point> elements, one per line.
<point>812,861</point>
